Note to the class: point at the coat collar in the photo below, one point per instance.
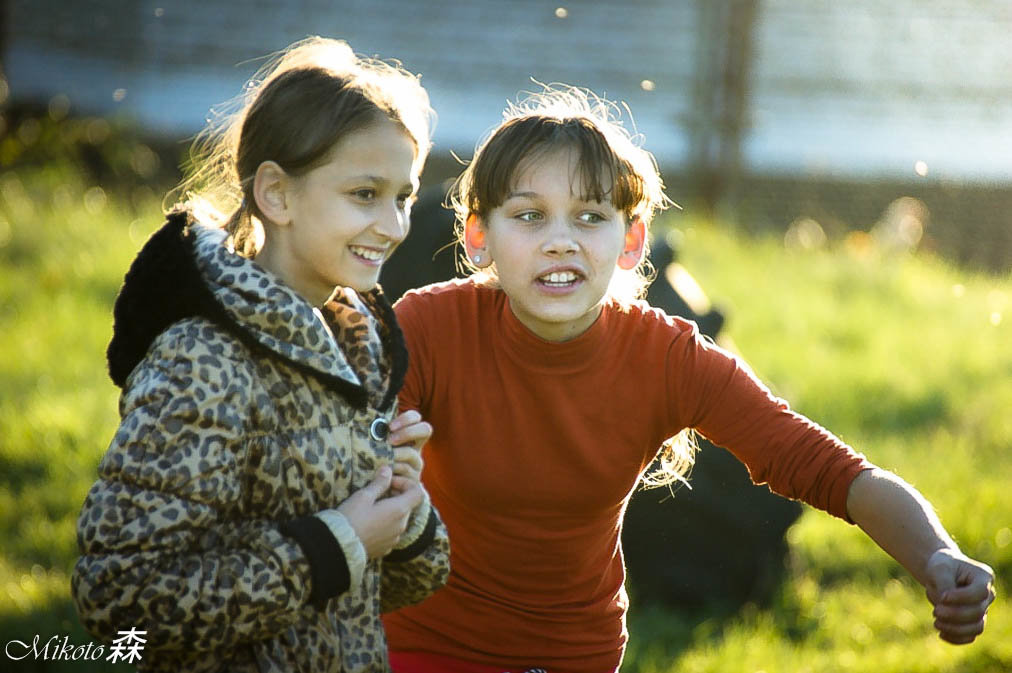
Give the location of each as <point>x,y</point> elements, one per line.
<point>270,312</point>
<point>185,269</point>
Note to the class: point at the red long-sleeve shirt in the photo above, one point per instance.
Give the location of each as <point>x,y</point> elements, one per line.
<point>536,448</point>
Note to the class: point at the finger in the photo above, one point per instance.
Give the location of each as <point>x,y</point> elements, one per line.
<point>409,456</point>
<point>958,640</point>
<point>406,471</point>
<point>960,614</point>
<point>405,419</point>
<point>939,586</point>
<point>408,492</point>
<point>415,434</point>
<point>402,484</point>
<point>959,634</point>
<point>380,483</point>
<point>969,594</point>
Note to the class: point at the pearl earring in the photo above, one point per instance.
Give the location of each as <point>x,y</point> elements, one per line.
<point>477,259</point>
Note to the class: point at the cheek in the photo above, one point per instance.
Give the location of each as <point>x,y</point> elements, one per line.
<point>607,248</point>
<point>510,262</point>
<point>504,249</point>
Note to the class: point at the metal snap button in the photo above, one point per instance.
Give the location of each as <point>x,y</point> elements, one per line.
<point>380,429</point>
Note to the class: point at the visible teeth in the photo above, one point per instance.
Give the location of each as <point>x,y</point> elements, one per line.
<point>372,255</point>
<point>559,277</point>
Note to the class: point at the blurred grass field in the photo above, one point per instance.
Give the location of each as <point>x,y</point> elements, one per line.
<point>906,358</point>
<point>910,361</point>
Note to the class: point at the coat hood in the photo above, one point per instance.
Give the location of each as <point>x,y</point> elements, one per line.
<point>186,270</point>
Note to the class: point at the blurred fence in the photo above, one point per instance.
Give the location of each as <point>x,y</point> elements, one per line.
<point>764,112</point>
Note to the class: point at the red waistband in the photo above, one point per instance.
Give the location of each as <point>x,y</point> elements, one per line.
<point>424,662</point>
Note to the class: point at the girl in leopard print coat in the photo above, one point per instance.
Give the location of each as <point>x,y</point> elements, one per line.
<point>259,506</point>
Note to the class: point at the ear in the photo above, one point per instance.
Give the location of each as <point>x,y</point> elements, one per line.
<point>474,242</point>
<point>269,191</point>
<point>632,252</point>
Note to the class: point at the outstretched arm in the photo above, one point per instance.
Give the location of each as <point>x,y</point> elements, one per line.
<point>898,518</point>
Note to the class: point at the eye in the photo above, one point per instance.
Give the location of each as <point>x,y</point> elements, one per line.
<point>364,194</point>
<point>591,217</point>
<point>406,200</point>
<point>529,216</point>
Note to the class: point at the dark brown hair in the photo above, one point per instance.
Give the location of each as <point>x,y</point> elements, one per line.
<point>610,164</point>
<point>519,142</point>
<point>293,111</point>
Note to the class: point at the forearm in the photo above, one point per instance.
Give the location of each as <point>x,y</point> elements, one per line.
<point>898,518</point>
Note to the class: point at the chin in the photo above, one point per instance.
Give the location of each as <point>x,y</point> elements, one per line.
<point>360,285</point>
<point>563,320</point>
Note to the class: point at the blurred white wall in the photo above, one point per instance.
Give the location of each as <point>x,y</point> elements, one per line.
<point>861,88</point>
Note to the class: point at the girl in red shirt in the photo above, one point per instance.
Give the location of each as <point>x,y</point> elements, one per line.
<point>550,389</point>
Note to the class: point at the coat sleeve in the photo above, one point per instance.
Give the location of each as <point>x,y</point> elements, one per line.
<point>420,564</point>
<point>166,543</point>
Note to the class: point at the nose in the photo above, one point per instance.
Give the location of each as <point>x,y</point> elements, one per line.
<point>392,223</point>
<point>559,240</point>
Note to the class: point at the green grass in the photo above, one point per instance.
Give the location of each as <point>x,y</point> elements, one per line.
<point>910,361</point>
<point>901,357</point>
<point>64,247</point>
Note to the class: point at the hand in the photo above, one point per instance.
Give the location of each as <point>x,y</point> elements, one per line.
<point>380,518</point>
<point>408,434</point>
<point>961,590</point>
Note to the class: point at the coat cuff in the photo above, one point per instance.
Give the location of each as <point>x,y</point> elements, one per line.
<point>328,567</point>
<point>420,533</point>
<point>354,552</point>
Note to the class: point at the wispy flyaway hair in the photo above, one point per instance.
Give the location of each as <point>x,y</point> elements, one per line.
<point>611,166</point>
<point>293,111</point>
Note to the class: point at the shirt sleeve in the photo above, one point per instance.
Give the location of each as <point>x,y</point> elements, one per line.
<point>419,565</point>
<point>716,393</point>
<point>411,316</point>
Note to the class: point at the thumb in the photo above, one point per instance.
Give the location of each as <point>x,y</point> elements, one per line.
<point>409,491</point>
<point>942,576</point>
<point>380,483</point>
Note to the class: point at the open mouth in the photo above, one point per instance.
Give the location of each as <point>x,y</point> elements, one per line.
<point>370,255</point>
<point>560,279</point>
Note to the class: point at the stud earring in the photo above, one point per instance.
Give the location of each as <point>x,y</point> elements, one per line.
<point>477,259</point>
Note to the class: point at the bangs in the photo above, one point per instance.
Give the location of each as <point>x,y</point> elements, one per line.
<point>609,166</point>
<point>601,174</point>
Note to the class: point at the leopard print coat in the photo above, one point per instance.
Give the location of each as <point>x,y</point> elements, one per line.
<point>245,411</point>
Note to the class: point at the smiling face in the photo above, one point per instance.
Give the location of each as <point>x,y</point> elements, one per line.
<point>554,251</point>
<point>336,224</point>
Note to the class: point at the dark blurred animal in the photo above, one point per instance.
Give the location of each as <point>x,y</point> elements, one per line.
<point>720,543</point>
<point>429,252</point>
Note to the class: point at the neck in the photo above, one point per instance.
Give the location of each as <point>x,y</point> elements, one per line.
<point>563,331</point>
<point>272,257</point>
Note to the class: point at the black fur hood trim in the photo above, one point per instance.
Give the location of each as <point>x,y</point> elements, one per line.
<point>164,285</point>
<point>161,287</point>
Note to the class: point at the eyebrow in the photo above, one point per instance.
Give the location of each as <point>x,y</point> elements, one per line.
<point>376,179</point>
<point>535,195</point>
<point>370,178</point>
